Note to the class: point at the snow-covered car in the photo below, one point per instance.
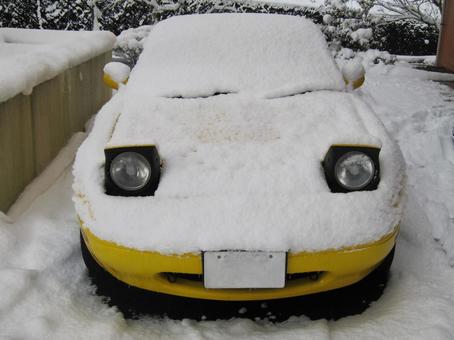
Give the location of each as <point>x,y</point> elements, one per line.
<point>235,165</point>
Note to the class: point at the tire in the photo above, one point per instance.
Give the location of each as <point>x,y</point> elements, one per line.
<point>134,302</point>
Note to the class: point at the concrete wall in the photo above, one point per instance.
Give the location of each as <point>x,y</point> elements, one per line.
<point>445,55</point>
<point>34,128</point>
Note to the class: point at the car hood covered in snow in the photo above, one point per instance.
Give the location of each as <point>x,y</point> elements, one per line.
<point>239,172</point>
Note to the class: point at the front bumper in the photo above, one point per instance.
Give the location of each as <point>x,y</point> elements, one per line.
<point>145,269</point>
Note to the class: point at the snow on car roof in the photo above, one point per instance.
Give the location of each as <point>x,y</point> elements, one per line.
<point>30,57</point>
<point>200,55</point>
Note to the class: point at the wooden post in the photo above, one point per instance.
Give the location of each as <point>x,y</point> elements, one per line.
<point>445,54</point>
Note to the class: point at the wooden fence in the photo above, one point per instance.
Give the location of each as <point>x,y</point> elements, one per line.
<point>34,128</point>
<point>445,54</point>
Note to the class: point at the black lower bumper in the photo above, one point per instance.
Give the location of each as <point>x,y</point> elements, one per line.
<point>134,302</point>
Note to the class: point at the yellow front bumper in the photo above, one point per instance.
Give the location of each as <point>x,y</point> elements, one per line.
<point>144,269</point>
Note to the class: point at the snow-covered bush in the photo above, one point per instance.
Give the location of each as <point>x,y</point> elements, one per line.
<point>367,58</point>
<point>117,16</point>
<point>344,26</point>
<point>18,14</point>
<point>66,15</point>
<point>242,6</point>
<point>357,29</point>
<point>407,37</point>
<point>130,43</point>
<point>49,14</point>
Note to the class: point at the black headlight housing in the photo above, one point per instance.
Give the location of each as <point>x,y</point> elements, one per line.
<point>147,156</point>
<point>338,153</point>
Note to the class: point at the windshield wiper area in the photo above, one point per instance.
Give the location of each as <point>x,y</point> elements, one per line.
<point>202,96</point>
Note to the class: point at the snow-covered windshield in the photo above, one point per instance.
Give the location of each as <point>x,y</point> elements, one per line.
<point>268,55</point>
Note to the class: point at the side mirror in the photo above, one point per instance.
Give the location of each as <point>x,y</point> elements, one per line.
<point>116,73</point>
<point>354,74</point>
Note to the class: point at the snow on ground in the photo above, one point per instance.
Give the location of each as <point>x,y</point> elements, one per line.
<point>46,292</point>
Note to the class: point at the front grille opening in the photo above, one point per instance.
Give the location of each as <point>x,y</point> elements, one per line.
<point>311,276</point>
<point>174,277</point>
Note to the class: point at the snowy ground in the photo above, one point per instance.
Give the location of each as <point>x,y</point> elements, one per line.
<point>45,292</point>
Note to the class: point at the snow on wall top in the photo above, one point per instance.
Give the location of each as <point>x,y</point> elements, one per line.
<point>30,57</point>
<point>199,55</point>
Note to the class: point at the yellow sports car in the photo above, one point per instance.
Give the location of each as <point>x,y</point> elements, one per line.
<point>234,172</point>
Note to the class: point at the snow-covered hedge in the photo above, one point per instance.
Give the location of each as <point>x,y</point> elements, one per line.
<point>343,26</point>
<point>351,28</point>
<point>118,16</point>
<point>61,15</point>
<point>130,44</point>
<point>405,37</point>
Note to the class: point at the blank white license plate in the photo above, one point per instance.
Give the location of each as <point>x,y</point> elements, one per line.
<point>244,269</point>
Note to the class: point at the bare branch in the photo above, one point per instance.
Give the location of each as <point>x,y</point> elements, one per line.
<point>424,11</point>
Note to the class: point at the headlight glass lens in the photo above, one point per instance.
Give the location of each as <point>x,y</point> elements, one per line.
<point>354,170</point>
<point>130,171</point>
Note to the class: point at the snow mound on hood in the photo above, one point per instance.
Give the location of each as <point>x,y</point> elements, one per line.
<point>199,55</point>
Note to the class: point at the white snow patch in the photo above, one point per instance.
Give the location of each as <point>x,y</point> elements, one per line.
<point>362,35</point>
<point>327,19</point>
<point>409,72</point>
<point>417,58</point>
<point>345,53</point>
